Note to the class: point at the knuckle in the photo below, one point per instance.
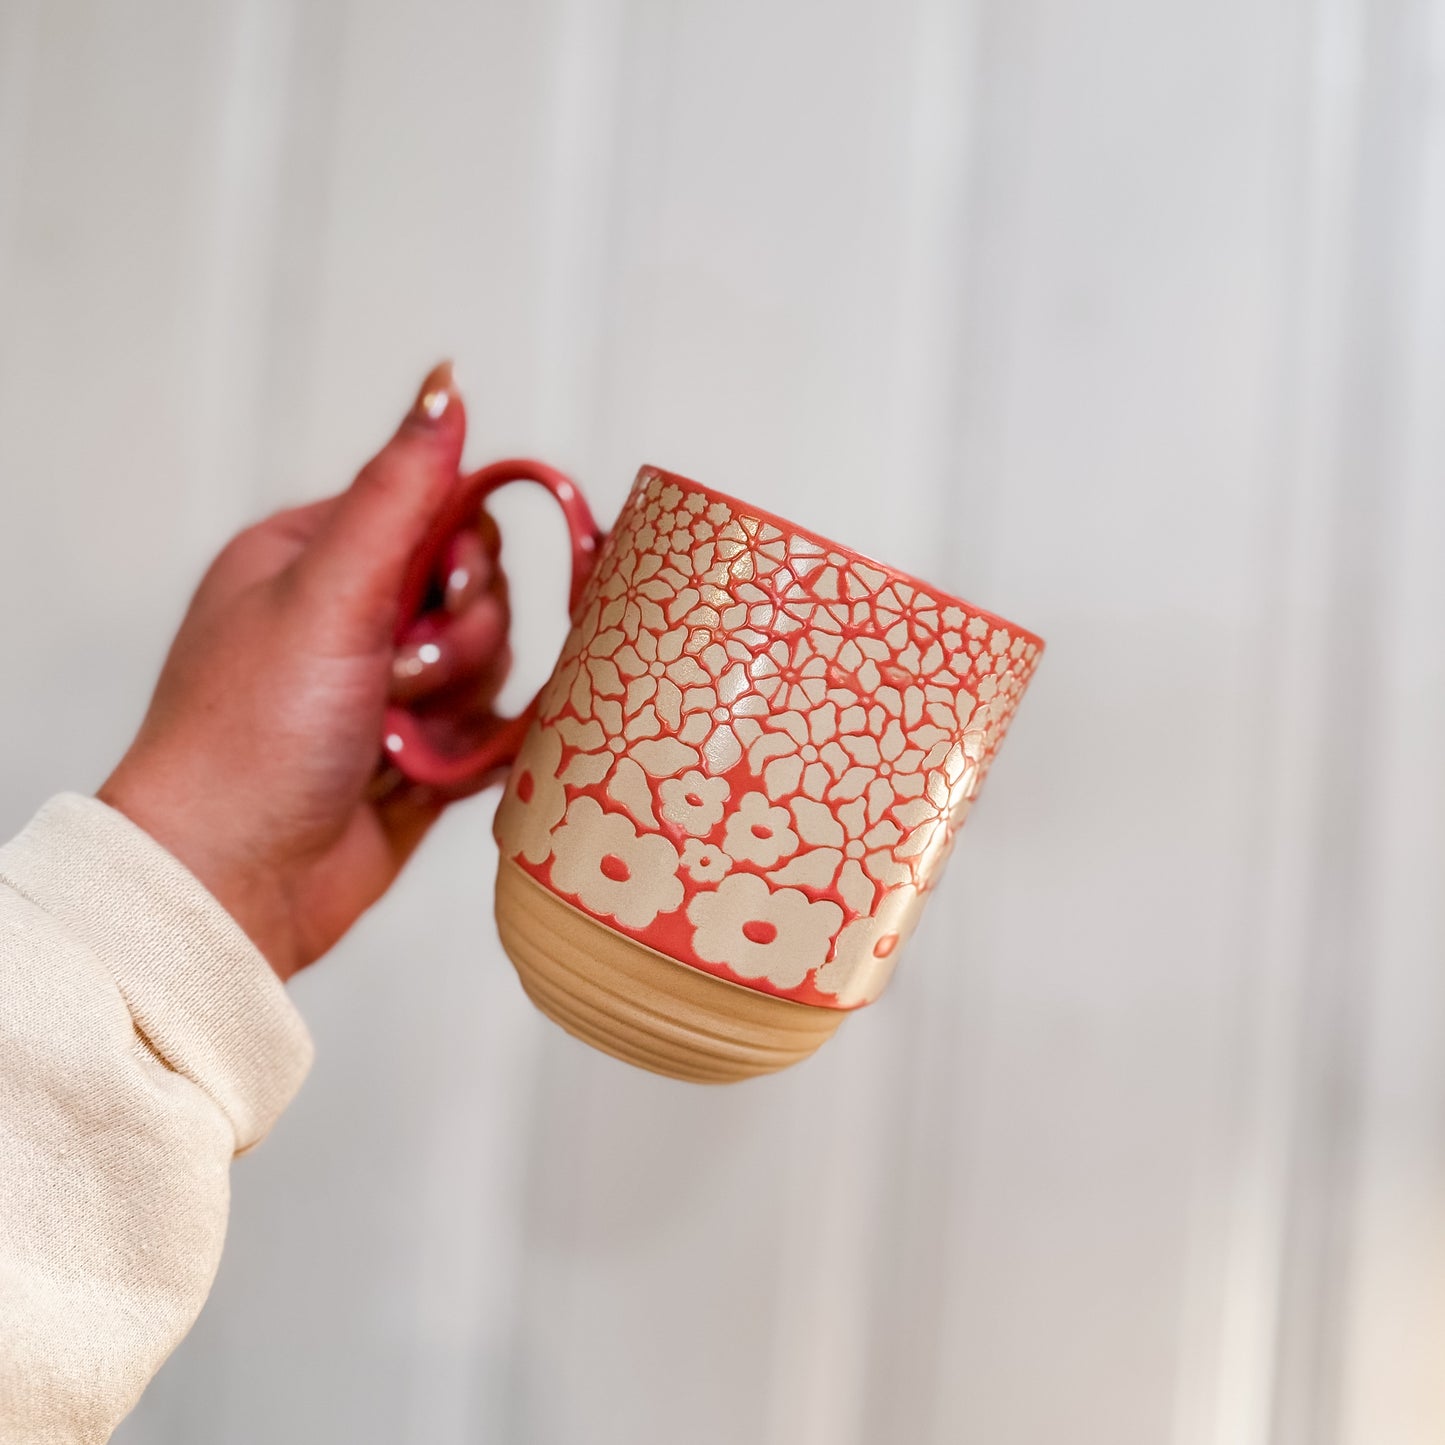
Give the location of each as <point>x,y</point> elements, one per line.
<point>383,476</point>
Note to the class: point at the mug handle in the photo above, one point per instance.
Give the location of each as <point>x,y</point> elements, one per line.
<point>404,741</point>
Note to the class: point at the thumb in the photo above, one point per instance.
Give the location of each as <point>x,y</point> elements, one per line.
<point>354,565</point>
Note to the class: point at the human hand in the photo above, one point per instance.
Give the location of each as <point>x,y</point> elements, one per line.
<point>256,762</point>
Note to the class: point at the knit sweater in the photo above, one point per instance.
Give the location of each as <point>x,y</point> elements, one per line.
<point>144,1041</point>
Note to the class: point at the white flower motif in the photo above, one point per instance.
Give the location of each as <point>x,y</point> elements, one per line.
<point>694,802</point>
<point>559,686</point>
<point>950,706</point>
<point>867,950</point>
<point>757,832</point>
<point>845,851</point>
<point>711,710</point>
<point>793,750</point>
<point>656,670</point>
<point>859,713</point>
<point>601,859</point>
<point>770,552</point>
<point>623,762</point>
<point>759,932</point>
<point>974,722</point>
<point>697,570</point>
<point>690,548</point>
<point>792,674</point>
<point>910,623</point>
<point>933,818</point>
<point>632,595</point>
<point>750,615</point>
<point>586,677</point>
<point>706,862</point>
<point>598,749</point>
<point>857,662</point>
<point>998,696</point>
<point>886,763</point>
<point>828,579</point>
<point>534,800</point>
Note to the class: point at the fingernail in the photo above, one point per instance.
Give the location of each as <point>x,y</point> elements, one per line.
<point>414,659</point>
<point>436,394</point>
<point>467,571</point>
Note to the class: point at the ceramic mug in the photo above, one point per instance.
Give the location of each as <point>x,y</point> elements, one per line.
<point>725,810</point>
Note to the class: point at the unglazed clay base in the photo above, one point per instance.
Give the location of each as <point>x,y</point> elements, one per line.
<point>641,1006</point>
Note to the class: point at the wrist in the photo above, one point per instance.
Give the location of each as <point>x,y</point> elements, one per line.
<point>251,892</point>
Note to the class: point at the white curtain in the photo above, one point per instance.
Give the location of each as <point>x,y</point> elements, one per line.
<point>1125,318</point>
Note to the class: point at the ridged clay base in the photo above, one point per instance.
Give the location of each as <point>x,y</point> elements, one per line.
<point>641,1006</point>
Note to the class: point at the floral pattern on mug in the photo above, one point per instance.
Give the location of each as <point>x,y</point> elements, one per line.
<point>867,950</point>
<point>756,749</point>
<point>694,802</point>
<point>705,862</point>
<point>534,800</point>
<point>758,832</point>
<point>616,871</point>
<point>760,932</point>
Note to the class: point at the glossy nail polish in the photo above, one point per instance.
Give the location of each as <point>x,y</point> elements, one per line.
<point>468,570</point>
<point>414,660</point>
<point>436,394</point>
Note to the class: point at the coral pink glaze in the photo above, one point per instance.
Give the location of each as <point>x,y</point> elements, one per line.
<point>757,745</point>
<point>405,739</point>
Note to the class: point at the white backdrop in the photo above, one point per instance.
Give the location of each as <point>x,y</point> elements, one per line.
<point>1125,318</point>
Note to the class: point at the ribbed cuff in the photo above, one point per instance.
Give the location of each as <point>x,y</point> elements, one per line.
<point>198,989</point>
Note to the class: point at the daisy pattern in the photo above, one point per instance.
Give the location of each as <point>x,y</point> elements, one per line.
<point>797,751</point>
<point>845,851</point>
<point>705,862</point>
<point>713,708</point>
<point>792,674</point>
<point>655,672</point>
<point>759,932</point>
<point>694,802</point>
<point>932,819</point>
<point>587,681</point>
<point>892,751</point>
<point>534,800</point>
<point>758,832</point>
<point>614,870</point>
<point>867,950</point>
<point>910,622</point>
<point>796,728</point>
<point>631,597</point>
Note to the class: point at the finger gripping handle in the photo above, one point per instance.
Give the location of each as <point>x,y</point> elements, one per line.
<point>404,740</point>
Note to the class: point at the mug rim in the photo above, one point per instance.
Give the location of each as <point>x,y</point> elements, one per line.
<point>944,598</point>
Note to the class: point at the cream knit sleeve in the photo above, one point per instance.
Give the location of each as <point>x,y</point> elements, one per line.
<point>143,1042</point>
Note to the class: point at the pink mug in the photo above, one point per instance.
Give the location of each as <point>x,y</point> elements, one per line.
<point>725,810</point>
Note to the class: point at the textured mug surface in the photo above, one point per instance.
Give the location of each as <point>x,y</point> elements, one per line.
<point>756,747</point>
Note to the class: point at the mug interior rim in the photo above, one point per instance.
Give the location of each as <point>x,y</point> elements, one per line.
<point>944,598</point>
